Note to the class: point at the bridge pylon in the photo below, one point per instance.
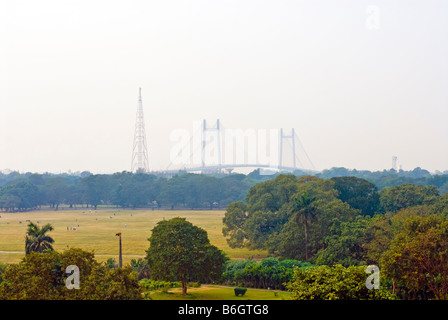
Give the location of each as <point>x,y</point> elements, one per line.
<point>285,137</point>
<point>204,130</point>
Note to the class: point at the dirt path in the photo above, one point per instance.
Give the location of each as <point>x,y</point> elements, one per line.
<point>229,287</point>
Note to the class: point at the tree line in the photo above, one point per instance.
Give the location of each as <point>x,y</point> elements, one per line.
<point>390,178</point>
<point>125,189</point>
<point>28,191</point>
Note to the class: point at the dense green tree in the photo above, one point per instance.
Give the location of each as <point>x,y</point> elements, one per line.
<point>317,188</point>
<point>305,213</point>
<point>234,187</point>
<point>377,237</point>
<point>95,189</point>
<point>2,271</point>
<point>289,242</point>
<point>271,195</point>
<point>234,221</point>
<point>407,195</point>
<point>41,276</point>
<point>382,229</point>
<point>440,207</point>
<point>73,195</point>
<point>287,225</point>
<point>132,190</point>
<point>172,192</point>
<point>260,225</point>
<point>416,260</point>
<point>180,251</point>
<point>56,191</point>
<point>358,193</point>
<point>344,243</point>
<point>269,273</point>
<point>336,172</point>
<point>212,265</point>
<point>333,283</point>
<point>20,195</point>
<point>9,202</point>
<point>269,207</point>
<point>112,284</point>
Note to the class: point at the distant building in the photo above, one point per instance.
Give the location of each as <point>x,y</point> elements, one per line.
<point>395,163</point>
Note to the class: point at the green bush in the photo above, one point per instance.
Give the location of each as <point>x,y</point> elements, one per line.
<point>334,283</point>
<point>269,273</point>
<point>153,285</point>
<point>194,284</point>
<point>41,276</point>
<point>240,291</point>
<point>2,270</point>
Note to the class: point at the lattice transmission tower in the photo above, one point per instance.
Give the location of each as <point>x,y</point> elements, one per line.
<point>140,161</point>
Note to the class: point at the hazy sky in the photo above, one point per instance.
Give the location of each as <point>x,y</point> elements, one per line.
<point>357,91</point>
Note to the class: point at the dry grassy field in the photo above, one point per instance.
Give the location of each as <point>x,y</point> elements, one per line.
<point>97,229</point>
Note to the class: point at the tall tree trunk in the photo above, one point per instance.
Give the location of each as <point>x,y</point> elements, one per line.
<point>393,286</point>
<point>184,287</point>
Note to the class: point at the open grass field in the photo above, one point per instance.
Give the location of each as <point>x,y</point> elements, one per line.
<point>208,292</point>
<point>97,231</point>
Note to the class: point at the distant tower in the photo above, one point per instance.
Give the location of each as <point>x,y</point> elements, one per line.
<point>285,137</point>
<point>204,141</point>
<point>140,150</point>
<point>395,163</point>
<point>295,142</point>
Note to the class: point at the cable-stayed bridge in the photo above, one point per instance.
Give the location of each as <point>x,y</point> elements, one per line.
<point>215,149</point>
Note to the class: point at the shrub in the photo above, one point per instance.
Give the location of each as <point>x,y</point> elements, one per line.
<point>267,273</point>
<point>240,291</point>
<point>194,284</point>
<point>333,283</point>
<point>153,285</point>
<point>2,270</point>
<point>41,276</point>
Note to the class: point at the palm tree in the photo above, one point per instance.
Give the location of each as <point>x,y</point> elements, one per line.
<point>36,239</point>
<point>141,267</point>
<point>305,213</point>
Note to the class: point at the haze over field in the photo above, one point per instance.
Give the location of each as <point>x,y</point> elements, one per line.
<point>357,93</point>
